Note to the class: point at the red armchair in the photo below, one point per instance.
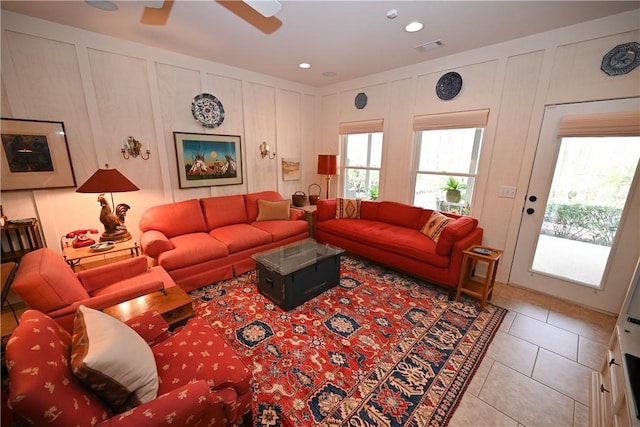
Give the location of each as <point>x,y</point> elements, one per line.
<point>197,386</point>
<point>46,283</point>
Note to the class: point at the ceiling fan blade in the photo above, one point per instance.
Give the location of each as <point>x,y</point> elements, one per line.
<point>266,8</point>
<point>152,15</point>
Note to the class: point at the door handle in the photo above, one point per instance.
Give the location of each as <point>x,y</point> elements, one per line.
<point>530,210</point>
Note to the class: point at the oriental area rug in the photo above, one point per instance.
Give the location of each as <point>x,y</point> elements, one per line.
<point>379,349</point>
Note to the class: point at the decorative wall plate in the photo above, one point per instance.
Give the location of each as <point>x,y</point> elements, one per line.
<point>361,100</point>
<point>207,110</point>
<point>621,59</point>
<point>449,86</point>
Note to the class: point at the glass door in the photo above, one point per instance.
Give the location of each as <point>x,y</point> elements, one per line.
<point>579,228</point>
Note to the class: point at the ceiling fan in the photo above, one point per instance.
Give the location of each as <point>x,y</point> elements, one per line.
<point>156,12</point>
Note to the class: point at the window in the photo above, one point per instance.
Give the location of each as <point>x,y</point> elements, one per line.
<point>447,155</point>
<point>361,159</point>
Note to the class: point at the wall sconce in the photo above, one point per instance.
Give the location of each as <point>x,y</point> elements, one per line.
<point>133,148</point>
<point>265,151</point>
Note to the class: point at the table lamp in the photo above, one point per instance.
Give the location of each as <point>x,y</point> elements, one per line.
<point>327,165</point>
<point>110,181</point>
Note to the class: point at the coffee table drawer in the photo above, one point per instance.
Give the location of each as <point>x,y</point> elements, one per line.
<point>291,290</point>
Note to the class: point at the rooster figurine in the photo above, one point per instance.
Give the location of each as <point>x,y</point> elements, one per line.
<point>114,228</point>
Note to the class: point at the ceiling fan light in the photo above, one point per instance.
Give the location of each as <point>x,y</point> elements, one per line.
<point>103,4</point>
<point>266,8</point>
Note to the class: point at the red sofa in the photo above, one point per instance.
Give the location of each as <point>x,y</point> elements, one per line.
<point>389,234</point>
<point>202,241</point>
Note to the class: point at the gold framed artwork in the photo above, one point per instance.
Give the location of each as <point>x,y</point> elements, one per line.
<point>290,169</point>
<point>206,160</point>
<point>35,155</point>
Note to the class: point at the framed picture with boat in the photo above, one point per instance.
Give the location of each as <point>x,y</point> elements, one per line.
<point>206,160</point>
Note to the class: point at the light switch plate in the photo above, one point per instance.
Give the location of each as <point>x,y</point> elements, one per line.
<point>507,192</point>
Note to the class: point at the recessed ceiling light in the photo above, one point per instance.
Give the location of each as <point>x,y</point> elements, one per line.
<point>329,74</point>
<point>304,65</point>
<point>413,27</point>
<point>103,4</point>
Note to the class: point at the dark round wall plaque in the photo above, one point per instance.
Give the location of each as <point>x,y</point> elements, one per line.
<point>361,100</point>
<point>449,85</point>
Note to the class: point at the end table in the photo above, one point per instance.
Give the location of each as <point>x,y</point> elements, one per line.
<point>470,286</point>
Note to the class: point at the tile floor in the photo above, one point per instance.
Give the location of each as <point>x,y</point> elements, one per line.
<point>537,369</point>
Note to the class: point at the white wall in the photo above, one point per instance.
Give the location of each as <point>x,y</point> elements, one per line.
<point>105,89</point>
<point>514,80</point>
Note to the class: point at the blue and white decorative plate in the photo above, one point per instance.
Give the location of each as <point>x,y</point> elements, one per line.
<point>449,86</point>
<point>207,110</point>
<point>622,59</point>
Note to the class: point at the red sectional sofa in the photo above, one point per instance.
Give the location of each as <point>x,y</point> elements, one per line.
<point>202,241</point>
<point>389,234</point>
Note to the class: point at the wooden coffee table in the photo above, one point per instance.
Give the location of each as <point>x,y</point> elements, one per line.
<point>172,303</point>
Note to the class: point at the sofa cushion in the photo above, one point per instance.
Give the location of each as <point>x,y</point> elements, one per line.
<point>273,210</point>
<point>223,210</point>
<point>347,208</point>
<point>400,240</point>
<point>192,249</point>
<point>113,360</point>
<point>174,219</point>
<point>238,237</point>
<point>212,360</point>
<point>369,210</point>
<point>280,230</point>
<point>47,282</point>
<point>434,226</point>
<point>251,202</point>
<point>400,214</point>
<point>39,345</point>
<point>454,231</point>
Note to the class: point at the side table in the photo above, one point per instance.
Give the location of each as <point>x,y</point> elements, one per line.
<point>73,256</point>
<point>6,275</point>
<point>173,303</point>
<point>467,284</point>
<point>308,216</point>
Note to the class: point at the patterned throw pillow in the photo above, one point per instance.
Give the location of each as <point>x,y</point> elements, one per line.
<point>113,360</point>
<point>269,211</point>
<point>435,225</point>
<point>348,208</point>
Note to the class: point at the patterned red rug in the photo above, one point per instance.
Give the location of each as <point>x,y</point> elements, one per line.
<point>379,349</point>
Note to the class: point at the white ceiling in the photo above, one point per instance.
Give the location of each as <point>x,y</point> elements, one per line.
<point>349,38</point>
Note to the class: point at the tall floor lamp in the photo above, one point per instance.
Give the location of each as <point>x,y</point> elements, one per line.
<point>110,181</point>
<point>327,165</point>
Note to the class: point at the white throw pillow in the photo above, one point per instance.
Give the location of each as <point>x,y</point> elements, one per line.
<point>113,360</point>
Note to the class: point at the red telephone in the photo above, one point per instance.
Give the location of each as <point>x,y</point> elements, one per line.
<point>81,237</point>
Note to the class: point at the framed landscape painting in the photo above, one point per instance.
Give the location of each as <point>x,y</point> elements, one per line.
<point>34,155</point>
<point>206,160</point>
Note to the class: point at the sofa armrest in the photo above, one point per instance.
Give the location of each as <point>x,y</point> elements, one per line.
<point>473,238</point>
<point>151,326</point>
<point>99,277</point>
<point>326,210</point>
<point>182,406</point>
<point>296,214</point>
<point>108,299</point>
<point>154,242</point>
